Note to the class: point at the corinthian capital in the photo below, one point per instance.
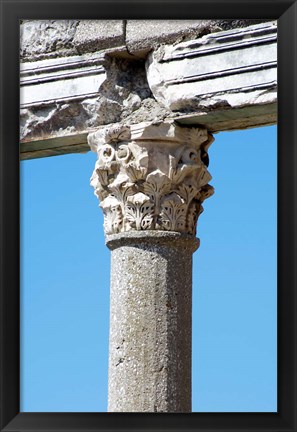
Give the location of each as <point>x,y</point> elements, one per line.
<point>151,176</point>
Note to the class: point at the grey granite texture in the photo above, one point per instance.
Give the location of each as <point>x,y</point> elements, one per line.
<point>150,321</point>
<point>96,35</point>
<point>47,38</point>
<point>143,35</point>
<point>41,39</point>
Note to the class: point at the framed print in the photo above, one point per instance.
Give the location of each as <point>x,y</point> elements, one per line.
<point>151,177</point>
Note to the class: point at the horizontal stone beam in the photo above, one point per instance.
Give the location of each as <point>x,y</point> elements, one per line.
<point>223,81</point>
<point>61,80</point>
<point>44,147</point>
<point>45,39</point>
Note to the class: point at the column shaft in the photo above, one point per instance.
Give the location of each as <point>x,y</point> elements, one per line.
<point>151,180</point>
<point>150,322</point>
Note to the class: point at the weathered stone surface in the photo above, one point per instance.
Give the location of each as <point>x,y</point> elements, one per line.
<point>143,35</point>
<point>47,38</point>
<point>72,143</point>
<point>151,180</point>
<point>61,80</point>
<point>222,71</point>
<point>83,96</point>
<point>150,321</point>
<point>96,35</point>
<point>56,38</point>
<point>151,176</point>
<point>221,119</point>
<point>65,119</point>
<point>65,98</point>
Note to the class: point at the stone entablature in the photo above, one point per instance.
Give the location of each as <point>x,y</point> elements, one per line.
<point>151,176</point>
<point>232,69</point>
<point>41,39</point>
<point>224,80</point>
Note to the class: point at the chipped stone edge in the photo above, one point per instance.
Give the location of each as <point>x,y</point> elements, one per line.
<point>156,237</point>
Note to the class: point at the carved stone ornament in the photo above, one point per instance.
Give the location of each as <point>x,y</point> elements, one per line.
<point>151,176</point>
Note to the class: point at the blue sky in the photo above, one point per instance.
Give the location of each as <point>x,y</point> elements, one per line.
<point>65,283</point>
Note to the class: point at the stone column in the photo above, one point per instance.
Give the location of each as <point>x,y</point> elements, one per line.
<point>151,180</point>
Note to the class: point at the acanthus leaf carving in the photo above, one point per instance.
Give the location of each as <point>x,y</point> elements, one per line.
<point>187,190</point>
<point>206,192</point>
<point>194,211</point>
<point>173,213</point>
<point>157,184</point>
<point>116,133</point>
<point>113,216</point>
<point>145,181</point>
<point>121,188</point>
<point>139,212</point>
<point>99,181</point>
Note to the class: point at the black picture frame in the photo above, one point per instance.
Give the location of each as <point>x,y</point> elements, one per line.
<point>285,11</point>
